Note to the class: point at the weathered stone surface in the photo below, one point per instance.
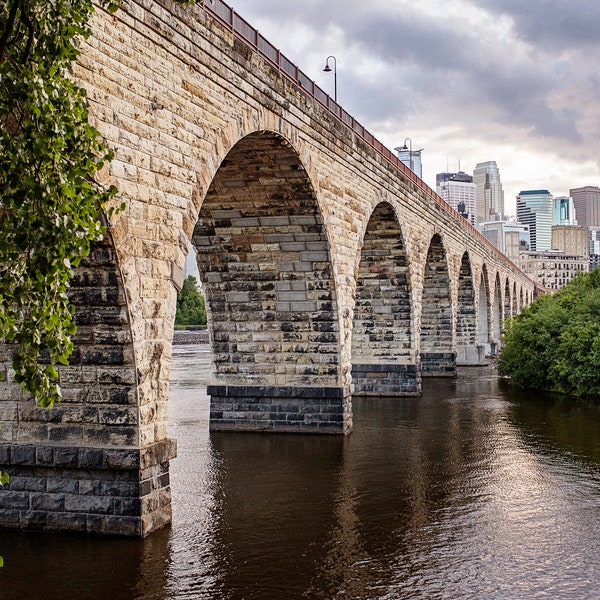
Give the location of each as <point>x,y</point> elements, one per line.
<point>96,489</point>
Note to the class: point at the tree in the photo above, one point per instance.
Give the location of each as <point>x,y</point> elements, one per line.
<point>554,344</point>
<point>190,304</point>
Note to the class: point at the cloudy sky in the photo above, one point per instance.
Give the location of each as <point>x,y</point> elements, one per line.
<point>515,81</point>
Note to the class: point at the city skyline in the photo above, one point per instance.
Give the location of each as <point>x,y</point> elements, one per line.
<point>469,82</point>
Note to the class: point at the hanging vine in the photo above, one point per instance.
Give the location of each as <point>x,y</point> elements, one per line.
<point>50,201</point>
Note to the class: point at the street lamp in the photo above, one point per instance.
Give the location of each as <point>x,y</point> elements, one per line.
<point>410,154</point>
<point>327,69</point>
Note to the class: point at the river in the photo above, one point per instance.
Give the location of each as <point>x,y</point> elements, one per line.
<point>472,491</point>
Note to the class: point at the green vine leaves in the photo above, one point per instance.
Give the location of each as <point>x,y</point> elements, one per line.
<point>50,201</point>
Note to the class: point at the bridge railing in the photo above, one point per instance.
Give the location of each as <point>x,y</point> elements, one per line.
<point>243,30</point>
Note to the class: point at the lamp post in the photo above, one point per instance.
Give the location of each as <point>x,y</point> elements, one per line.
<point>327,69</point>
<point>410,154</point>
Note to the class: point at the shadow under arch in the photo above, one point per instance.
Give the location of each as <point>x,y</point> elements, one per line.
<point>484,309</point>
<point>506,312</point>
<point>468,351</point>
<point>383,348</point>
<point>496,315</point>
<point>437,356</point>
<point>264,260</point>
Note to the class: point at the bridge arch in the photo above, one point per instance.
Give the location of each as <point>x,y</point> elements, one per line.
<point>468,352</point>
<point>383,344</point>
<point>264,259</point>
<point>515,307</point>
<point>507,301</point>
<point>484,306</point>
<point>497,312</point>
<point>436,343</point>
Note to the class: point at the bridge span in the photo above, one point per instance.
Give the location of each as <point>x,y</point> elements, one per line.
<point>329,269</point>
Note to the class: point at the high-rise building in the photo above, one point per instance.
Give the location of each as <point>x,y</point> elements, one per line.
<point>587,204</point>
<point>489,194</point>
<point>535,208</point>
<point>411,158</point>
<point>458,190</point>
<point>564,211</point>
<point>594,242</point>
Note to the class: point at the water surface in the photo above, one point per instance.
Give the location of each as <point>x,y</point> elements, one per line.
<point>471,491</point>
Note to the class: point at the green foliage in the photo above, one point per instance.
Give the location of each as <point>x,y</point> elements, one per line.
<point>190,304</point>
<point>50,203</point>
<point>554,344</point>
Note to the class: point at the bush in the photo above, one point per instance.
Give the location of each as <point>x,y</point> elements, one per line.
<point>554,344</point>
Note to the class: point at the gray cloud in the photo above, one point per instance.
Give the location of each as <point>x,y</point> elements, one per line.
<point>528,70</point>
<point>553,24</point>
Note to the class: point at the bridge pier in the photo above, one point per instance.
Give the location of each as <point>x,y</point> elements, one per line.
<point>386,379</point>
<point>470,354</point>
<point>285,409</point>
<point>438,364</point>
<point>94,489</point>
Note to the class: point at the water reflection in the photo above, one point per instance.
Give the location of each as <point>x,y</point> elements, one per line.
<point>468,492</point>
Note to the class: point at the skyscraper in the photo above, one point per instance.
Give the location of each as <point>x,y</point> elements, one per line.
<point>489,195</point>
<point>535,208</point>
<point>587,205</point>
<point>457,188</point>
<point>564,211</point>
<point>411,158</point>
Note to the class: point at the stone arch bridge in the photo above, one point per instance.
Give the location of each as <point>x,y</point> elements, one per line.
<point>328,268</point>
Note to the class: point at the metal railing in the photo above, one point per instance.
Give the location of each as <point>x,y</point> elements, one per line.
<point>222,12</point>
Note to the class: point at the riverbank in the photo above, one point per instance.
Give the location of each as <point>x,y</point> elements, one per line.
<point>190,336</point>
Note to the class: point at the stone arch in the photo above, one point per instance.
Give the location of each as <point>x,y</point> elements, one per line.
<point>437,356</point>
<point>383,355</point>
<point>467,351</point>
<point>515,308</point>
<point>465,319</point>
<point>264,260</point>
<point>521,305</point>
<point>507,302</point>
<point>483,309</point>
<point>497,313</point>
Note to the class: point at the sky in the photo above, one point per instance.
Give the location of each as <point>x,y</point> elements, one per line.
<point>515,81</point>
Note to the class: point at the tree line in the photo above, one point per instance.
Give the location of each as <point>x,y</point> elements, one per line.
<point>554,344</point>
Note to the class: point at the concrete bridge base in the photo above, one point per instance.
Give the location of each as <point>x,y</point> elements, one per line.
<point>438,364</point>
<point>386,380</point>
<point>117,491</point>
<point>470,355</point>
<point>285,409</point>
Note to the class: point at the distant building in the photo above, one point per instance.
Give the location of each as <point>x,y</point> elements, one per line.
<point>509,237</point>
<point>586,201</point>
<point>458,190</point>
<point>564,211</point>
<point>571,239</point>
<point>536,209</point>
<point>594,246</point>
<point>411,158</point>
<point>553,269</point>
<point>489,192</point>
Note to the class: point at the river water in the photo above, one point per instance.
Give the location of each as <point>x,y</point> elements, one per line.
<point>471,491</point>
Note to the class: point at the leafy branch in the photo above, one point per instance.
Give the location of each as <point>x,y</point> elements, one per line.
<point>50,201</point>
